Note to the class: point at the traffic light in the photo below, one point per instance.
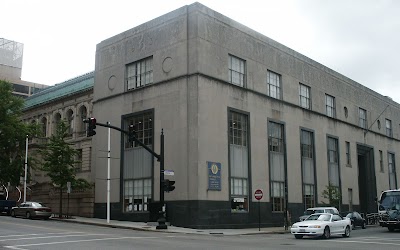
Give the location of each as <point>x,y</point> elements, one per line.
<point>168,185</point>
<point>131,133</point>
<point>91,126</point>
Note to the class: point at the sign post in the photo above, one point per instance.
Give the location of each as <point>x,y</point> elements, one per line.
<point>258,194</point>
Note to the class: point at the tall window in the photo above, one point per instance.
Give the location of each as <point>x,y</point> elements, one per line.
<point>276,150</point>
<point>237,71</point>
<point>389,128</point>
<point>348,159</point>
<point>330,106</point>
<point>56,120</point>
<point>78,159</point>
<point>307,166</point>
<point>392,172</point>
<point>70,121</point>
<point>140,73</point>
<point>44,127</point>
<point>304,96</point>
<point>81,124</point>
<point>138,163</point>
<point>363,118</point>
<point>333,163</point>
<point>381,161</point>
<point>274,85</point>
<point>238,152</point>
<point>350,191</point>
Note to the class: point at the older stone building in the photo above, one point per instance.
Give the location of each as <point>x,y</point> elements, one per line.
<point>70,101</point>
<point>240,112</point>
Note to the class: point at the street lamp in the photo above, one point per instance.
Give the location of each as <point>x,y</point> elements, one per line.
<point>26,166</point>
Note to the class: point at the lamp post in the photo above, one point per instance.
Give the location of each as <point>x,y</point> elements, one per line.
<point>26,166</point>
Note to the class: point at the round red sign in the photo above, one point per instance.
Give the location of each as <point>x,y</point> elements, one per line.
<point>258,194</point>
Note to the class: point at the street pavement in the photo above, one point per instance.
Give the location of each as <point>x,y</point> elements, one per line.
<point>142,226</point>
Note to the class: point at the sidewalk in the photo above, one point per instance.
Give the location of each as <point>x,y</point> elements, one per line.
<point>142,226</point>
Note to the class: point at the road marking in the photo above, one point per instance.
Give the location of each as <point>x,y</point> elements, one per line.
<point>25,226</point>
<point>76,241</point>
<point>23,235</point>
<point>368,242</point>
<point>52,236</point>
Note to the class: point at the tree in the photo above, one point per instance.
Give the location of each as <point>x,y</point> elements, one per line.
<point>13,132</point>
<point>59,162</point>
<point>332,193</point>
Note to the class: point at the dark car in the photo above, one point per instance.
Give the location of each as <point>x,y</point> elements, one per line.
<point>356,219</point>
<point>31,209</point>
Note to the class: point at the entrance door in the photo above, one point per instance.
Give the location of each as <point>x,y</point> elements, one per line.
<point>366,179</point>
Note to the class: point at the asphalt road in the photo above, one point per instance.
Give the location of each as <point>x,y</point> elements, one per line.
<point>23,234</point>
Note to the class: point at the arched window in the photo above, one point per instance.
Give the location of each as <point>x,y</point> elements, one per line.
<point>56,120</point>
<point>70,122</point>
<point>82,116</point>
<point>43,124</point>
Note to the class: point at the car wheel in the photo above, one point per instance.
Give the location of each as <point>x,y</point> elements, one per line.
<point>327,233</point>
<point>391,229</point>
<point>13,213</point>
<point>298,236</point>
<point>364,225</point>
<point>28,215</point>
<point>346,232</point>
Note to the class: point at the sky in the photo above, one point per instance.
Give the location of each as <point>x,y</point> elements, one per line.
<point>359,38</point>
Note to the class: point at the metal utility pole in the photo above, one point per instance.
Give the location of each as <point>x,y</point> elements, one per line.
<point>108,172</point>
<point>161,220</point>
<point>26,166</point>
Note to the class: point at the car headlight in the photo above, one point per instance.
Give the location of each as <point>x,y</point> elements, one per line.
<point>294,226</point>
<point>315,226</point>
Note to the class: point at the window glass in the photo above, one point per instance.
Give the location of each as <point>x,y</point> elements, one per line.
<point>140,73</point>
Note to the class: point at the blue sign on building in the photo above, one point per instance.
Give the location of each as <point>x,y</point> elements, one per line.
<point>214,175</point>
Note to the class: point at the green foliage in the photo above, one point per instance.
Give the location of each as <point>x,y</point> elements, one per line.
<point>59,160</point>
<point>13,134</point>
<point>332,193</point>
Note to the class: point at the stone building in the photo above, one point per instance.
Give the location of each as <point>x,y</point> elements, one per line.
<point>70,101</point>
<point>240,112</point>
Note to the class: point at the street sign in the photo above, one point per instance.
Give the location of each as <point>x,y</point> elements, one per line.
<point>258,194</point>
<point>169,172</point>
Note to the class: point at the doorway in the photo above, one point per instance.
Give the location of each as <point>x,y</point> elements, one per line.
<point>366,179</point>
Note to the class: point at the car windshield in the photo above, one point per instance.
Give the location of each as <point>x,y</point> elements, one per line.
<point>37,204</point>
<point>309,212</point>
<point>349,215</point>
<point>320,217</point>
<point>389,200</point>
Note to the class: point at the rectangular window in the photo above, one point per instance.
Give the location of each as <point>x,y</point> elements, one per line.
<point>137,195</point>
<point>138,164</point>
<point>389,128</point>
<point>307,166</point>
<point>392,172</point>
<point>237,71</point>
<point>304,95</point>
<point>333,161</point>
<point>348,159</point>
<point>21,88</point>
<point>330,106</point>
<point>363,118</point>
<point>140,73</point>
<point>274,85</point>
<point>350,191</point>
<point>239,166</point>
<point>381,161</point>
<point>143,125</point>
<point>78,159</point>
<point>276,150</point>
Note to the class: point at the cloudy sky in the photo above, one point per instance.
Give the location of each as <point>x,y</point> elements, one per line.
<point>359,38</point>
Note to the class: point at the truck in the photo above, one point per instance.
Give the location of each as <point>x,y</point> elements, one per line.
<point>6,205</point>
<point>389,209</point>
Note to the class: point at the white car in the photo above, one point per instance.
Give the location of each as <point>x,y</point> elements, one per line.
<point>322,224</point>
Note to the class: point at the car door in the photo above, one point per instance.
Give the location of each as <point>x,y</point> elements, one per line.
<point>20,209</point>
<point>358,219</point>
<point>338,224</point>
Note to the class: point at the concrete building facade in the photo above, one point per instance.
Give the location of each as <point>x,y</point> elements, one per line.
<point>240,112</point>
<point>70,101</point>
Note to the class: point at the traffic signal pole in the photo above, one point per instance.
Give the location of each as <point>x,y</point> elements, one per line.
<point>160,157</point>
